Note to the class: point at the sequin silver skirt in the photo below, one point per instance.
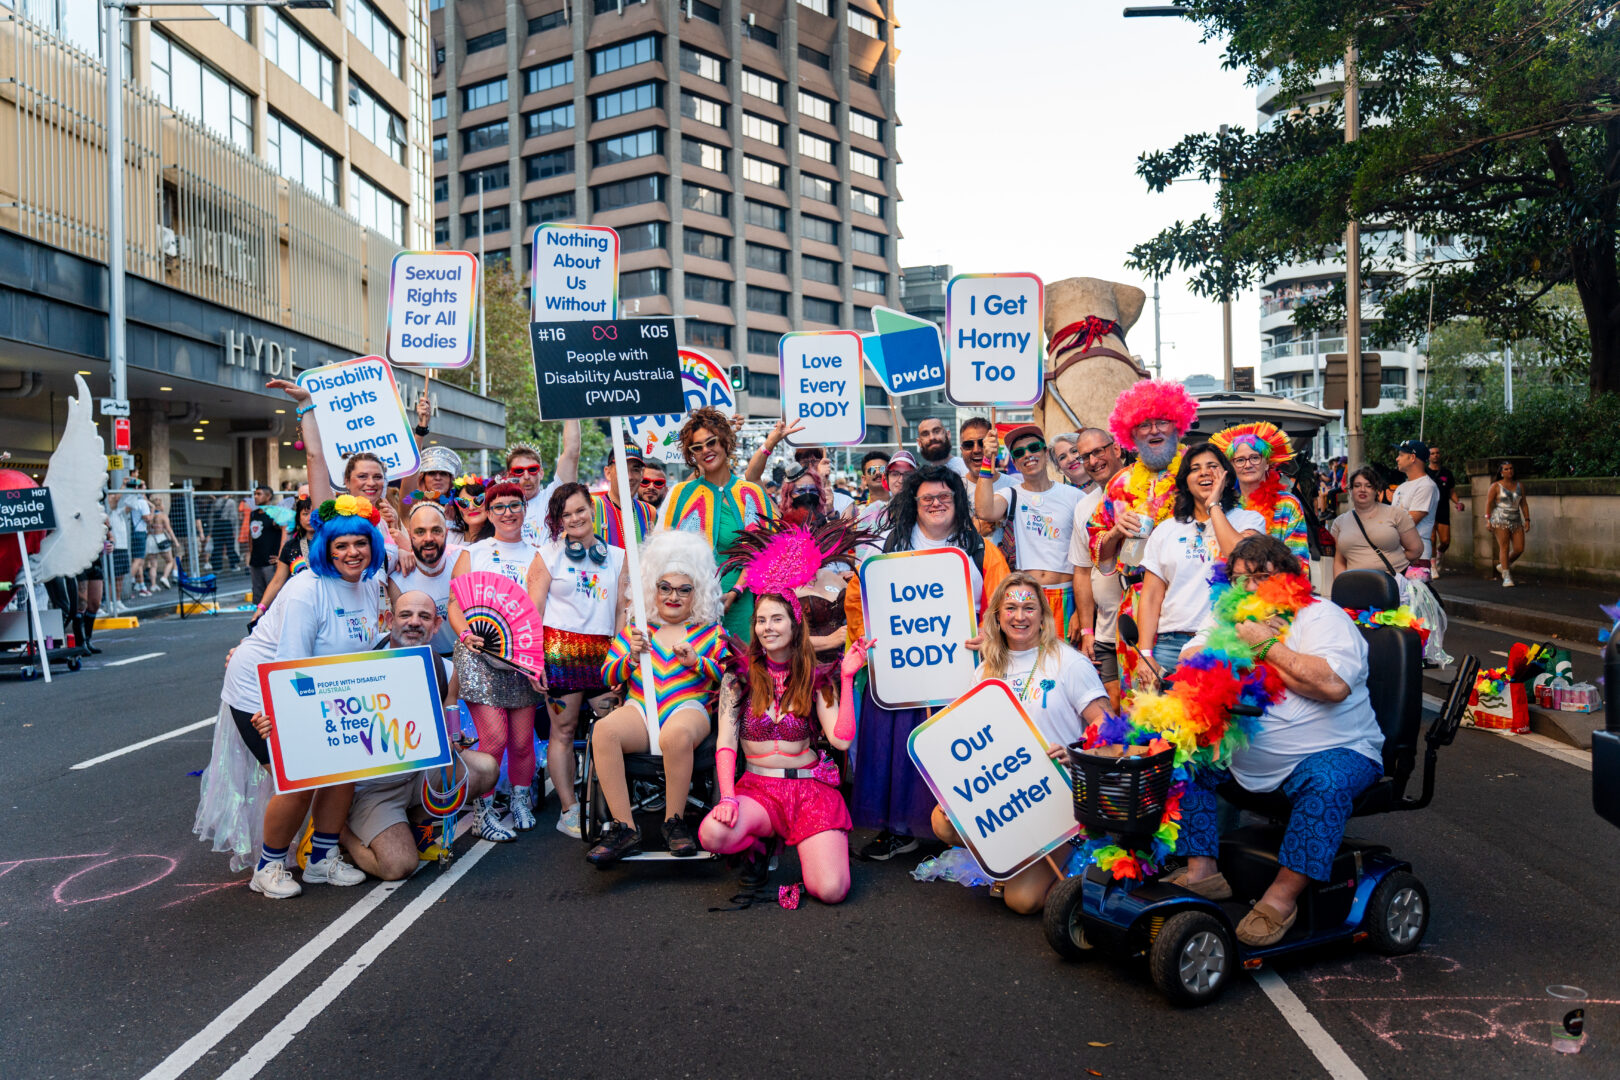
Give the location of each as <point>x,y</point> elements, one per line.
<point>482,683</point>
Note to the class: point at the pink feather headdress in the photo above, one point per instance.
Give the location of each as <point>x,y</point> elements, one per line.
<point>779,558</point>
<point>1151,399</point>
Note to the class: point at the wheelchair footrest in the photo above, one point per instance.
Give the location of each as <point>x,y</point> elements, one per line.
<point>664,856</point>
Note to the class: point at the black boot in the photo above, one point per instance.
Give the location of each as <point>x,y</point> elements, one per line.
<point>85,622</point>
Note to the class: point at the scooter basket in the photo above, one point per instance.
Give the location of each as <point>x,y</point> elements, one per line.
<point>1120,794</point>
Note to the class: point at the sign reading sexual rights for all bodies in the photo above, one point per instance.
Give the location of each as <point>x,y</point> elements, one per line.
<point>357,716</point>
<point>358,408</point>
<point>822,387</point>
<point>432,308</point>
<point>918,606</point>
<point>993,339</point>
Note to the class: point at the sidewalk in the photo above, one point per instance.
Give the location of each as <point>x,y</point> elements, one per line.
<point>232,586</point>
<point>1531,609</point>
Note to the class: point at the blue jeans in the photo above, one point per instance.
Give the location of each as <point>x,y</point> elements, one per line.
<point>1322,789</point>
<point>1167,650</point>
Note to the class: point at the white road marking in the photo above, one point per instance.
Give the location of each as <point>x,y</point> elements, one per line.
<point>132,747</point>
<point>276,1040</point>
<point>133,659</point>
<point>1310,1031</point>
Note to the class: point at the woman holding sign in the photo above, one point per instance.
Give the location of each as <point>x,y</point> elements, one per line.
<point>1058,688</point>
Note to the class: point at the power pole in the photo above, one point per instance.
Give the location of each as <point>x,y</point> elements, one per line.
<point>1354,437</point>
<point>1226,317</point>
<point>113,44</point>
<point>1158,367</point>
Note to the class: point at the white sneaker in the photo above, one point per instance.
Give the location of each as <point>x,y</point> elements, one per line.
<point>487,822</point>
<point>522,809</point>
<point>333,870</point>
<point>1507,579</point>
<point>275,881</point>
<point>568,822</point>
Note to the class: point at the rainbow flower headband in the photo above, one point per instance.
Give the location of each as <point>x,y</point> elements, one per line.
<point>1267,439</point>
<point>347,506</point>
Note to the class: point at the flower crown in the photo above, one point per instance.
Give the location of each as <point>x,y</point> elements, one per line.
<point>1267,439</point>
<point>347,506</point>
<point>469,480</point>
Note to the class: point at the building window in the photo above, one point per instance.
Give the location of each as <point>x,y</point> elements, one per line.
<point>706,245</point>
<point>492,92</point>
<point>634,192</point>
<point>375,33</point>
<point>820,7</point>
<point>376,121</point>
<point>549,77</point>
<point>703,65</point>
<point>499,260</point>
<point>762,257</point>
<point>708,335</point>
<point>484,137</point>
<point>875,395</point>
<point>441,232</point>
<point>871,280</point>
<point>814,228</point>
<point>765,215</point>
<point>237,18</point>
<point>549,21</point>
<point>862,124</point>
<point>291,51</point>
<point>375,208</point>
<point>619,102</point>
<point>187,85</point>
<point>822,270</point>
<point>493,178</point>
<point>761,86</point>
<point>764,343</point>
<point>641,50</point>
<point>435,5</point>
<point>648,236</point>
<point>547,121</point>
<point>441,147</point>
<point>702,109</point>
<point>640,283</point>
<point>815,105</point>
<point>706,12</point>
<point>868,241</point>
<point>556,163</point>
<point>767,301</point>
<point>818,188</point>
<point>300,158</point>
<point>762,172</point>
<point>493,40</point>
<point>550,208</point>
<point>861,21</point>
<point>608,7</point>
<point>707,289</point>
<point>766,131</point>
<point>705,155</point>
<point>708,200</point>
<point>815,56</point>
<point>863,321</point>
<point>864,202</point>
<point>439,110</point>
<point>765,37</point>
<point>865,78</point>
<point>816,147</point>
<point>496,219</point>
<point>636,144</point>
<point>820,311</point>
<point>441,189</point>
<point>866,164</point>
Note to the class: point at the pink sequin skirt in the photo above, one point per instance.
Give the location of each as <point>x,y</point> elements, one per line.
<point>799,808</point>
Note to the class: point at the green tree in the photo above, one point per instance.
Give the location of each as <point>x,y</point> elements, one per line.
<point>1493,121</point>
<point>1465,361</point>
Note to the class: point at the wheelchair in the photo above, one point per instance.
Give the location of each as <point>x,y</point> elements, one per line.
<point>1372,896</point>
<point>644,775</point>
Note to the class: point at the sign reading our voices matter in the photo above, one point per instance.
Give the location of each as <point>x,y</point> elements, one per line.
<point>358,409</point>
<point>432,308</point>
<point>993,348</point>
<point>822,387</point>
<point>918,606</point>
<point>357,716</point>
<point>575,273</point>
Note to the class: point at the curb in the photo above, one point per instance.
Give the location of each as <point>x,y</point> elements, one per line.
<point>1570,728</point>
<point>117,622</point>
<point>1542,624</point>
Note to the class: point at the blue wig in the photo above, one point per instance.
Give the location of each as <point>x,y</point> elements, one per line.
<point>320,558</point>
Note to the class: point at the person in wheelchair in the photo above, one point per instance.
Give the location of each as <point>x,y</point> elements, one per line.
<point>688,647</point>
<point>1320,745</point>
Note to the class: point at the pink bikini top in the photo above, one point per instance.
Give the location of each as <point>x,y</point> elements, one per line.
<point>774,726</point>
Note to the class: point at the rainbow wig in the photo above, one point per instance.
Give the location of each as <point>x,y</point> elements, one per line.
<point>1151,399</point>
<point>1266,439</point>
<point>320,555</point>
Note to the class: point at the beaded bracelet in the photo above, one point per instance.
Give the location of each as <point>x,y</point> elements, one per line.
<point>298,413</point>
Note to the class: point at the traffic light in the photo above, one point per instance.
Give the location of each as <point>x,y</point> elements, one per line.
<point>739,377</point>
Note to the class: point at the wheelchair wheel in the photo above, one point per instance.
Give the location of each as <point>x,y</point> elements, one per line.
<point>1397,914</point>
<point>1061,920</point>
<point>590,799</point>
<point>1193,958</point>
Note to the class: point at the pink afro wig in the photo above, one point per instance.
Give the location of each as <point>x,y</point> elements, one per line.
<point>1151,399</point>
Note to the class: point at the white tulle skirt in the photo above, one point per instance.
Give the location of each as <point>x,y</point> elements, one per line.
<point>235,791</point>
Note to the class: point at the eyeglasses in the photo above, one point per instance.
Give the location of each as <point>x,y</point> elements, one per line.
<point>972,444</point>
<point>1098,453</point>
<point>666,589</point>
<point>523,470</point>
<point>650,482</point>
<point>1254,579</point>
<point>507,508</point>
<point>1247,459</point>
<point>808,455</point>
<point>1155,425</point>
<point>1029,449</point>
<point>946,499</point>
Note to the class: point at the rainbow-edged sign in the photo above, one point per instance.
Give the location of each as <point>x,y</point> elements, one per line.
<point>919,607</point>
<point>575,275</point>
<point>993,353</point>
<point>358,409</point>
<point>432,308</point>
<point>355,716</point>
<point>823,387</point>
<point>702,383</point>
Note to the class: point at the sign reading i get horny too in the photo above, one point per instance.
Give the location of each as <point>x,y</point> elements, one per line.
<point>432,308</point>
<point>918,607</point>
<point>993,348</point>
<point>822,387</point>
<point>575,275</point>
<point>357,408</point>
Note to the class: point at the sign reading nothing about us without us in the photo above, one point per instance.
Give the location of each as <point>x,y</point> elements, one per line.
<point>575,273</point>
<point>432,308</point>
<point>625,367</point>
<point>822,387</point>
<point>358,408</point>
<point>993,347</point>
<point>918,607</point>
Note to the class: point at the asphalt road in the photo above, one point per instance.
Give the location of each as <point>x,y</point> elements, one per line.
<point>127,947</point>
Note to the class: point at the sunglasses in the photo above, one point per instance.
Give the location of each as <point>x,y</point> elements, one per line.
<point>807,455</point>
<point>523,470</point>
<point>972,444</point>
<point>650,482</point>
<point>469,502</point>
<point>666,589</point>
<point>876,470</point>
<point>711,443</point>
<point>506,508</point>
<point>1029,449</point>
<point>936,500</point>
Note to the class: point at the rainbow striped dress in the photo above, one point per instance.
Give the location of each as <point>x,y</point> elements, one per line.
<point>610,522</point>
<point>677,685</point>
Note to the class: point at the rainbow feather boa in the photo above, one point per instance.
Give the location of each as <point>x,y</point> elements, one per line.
<point>1401,616</point>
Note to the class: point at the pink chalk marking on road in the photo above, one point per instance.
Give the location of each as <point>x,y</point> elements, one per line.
<point>12,864</point>
<point>206,887</point>
<point>56,893</point>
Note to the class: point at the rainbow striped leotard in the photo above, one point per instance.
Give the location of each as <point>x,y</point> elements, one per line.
<point>677,685</point>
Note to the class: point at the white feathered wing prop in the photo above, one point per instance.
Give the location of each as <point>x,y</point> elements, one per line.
<point>77,476</point>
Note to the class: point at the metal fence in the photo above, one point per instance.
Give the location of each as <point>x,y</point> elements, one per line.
<point>188,532</point>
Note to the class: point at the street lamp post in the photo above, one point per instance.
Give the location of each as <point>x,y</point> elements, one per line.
<point>1354,435</point>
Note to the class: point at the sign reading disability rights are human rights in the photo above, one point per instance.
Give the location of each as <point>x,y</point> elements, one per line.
<point>626,367</point>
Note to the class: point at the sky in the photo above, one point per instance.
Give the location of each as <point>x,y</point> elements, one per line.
<point>1020,127</point>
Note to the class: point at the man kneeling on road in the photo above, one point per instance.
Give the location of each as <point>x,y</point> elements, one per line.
<point>387,816</point>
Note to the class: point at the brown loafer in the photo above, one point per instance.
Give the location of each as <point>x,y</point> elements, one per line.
<point>1214,887</point>
<point>1263,926</point>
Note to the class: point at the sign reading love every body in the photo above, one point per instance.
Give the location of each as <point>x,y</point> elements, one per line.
<point>918,606</point>
<point>822,387</point>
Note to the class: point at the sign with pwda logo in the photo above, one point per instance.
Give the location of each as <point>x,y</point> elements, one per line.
<point>358,409</point>
<point>355,716</point>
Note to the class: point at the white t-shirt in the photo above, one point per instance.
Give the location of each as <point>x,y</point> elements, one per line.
<point>436,586</point>
<point>535,532</point>
<point>510,560</point>
<point>138,510</point>
<point>953,463</point>
<point>1044,526</point>
<point>312,616</point>
<point>1079,539</point>
<point>1420,494</point>
<point>1182,554</point>
<point>920,542</point>
<point>841,502</point>
<point>583,597</point>
<point>1055,693</point>
<point>118,522</point>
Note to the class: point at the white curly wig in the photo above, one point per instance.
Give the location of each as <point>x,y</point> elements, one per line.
<point>676,552</point>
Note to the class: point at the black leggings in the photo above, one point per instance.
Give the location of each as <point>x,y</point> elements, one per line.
<point>255,742</point>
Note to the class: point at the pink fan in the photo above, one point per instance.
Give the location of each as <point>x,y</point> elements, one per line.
<point>501,614</point>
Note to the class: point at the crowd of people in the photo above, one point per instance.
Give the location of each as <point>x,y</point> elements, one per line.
<point>754,633</point>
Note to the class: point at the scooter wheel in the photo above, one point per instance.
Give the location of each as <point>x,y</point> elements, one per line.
<point>1062,919</point>
<point>1193,958</point>
<point>1397,914</point>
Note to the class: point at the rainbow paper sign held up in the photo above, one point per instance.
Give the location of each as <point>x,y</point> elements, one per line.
<point>358,408</point>
<point>702,383</point>
<point>432,308</point>
<point>355,716</point>
<point>919,608</point>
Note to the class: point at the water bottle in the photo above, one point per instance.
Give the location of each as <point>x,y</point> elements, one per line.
<point>1132,550</point>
